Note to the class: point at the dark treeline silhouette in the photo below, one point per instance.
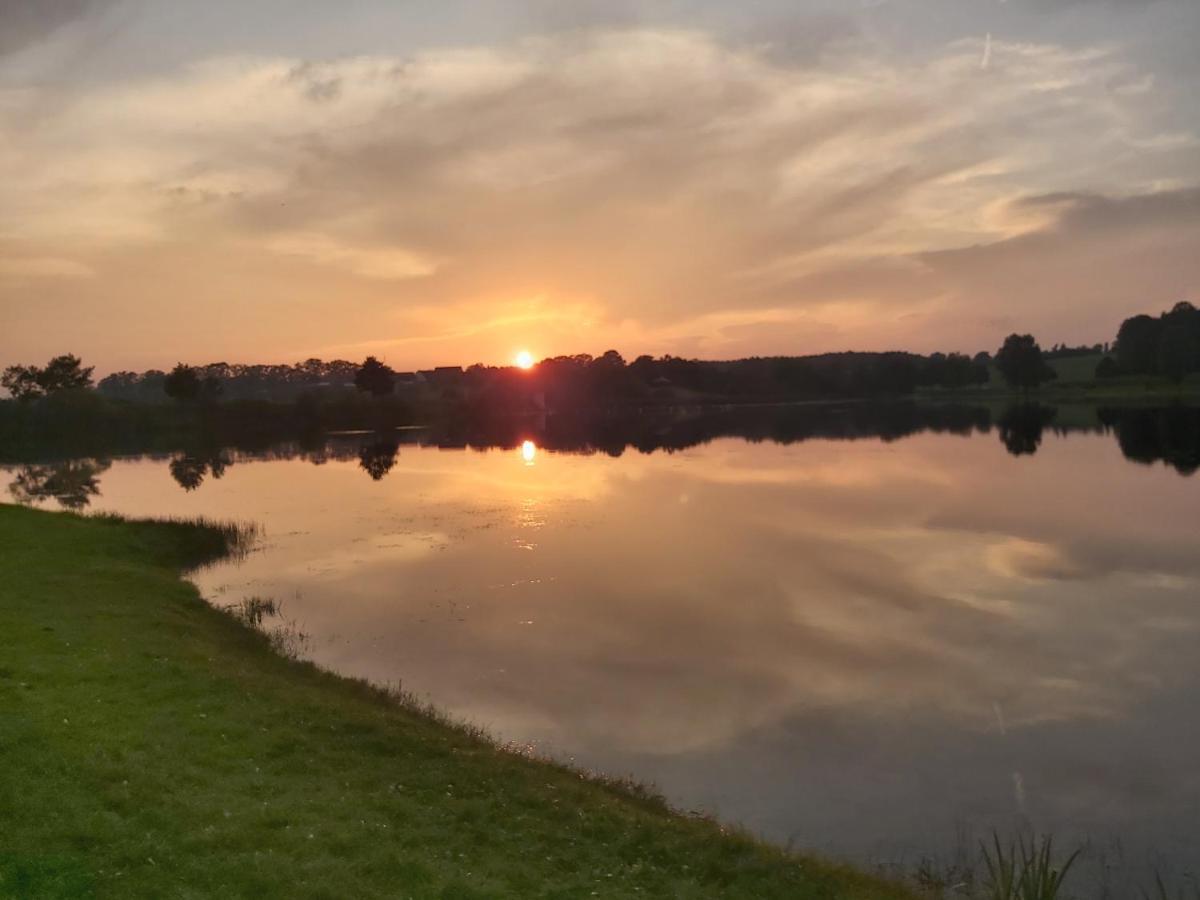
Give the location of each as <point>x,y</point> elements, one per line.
<point>584,381</point>
<point>1062,351</point>
<point>563,382</point>
<point>1166,345</point>
<point>1170,435</point>
<point>189,385</point>
<point>232,381</point>
<point>54,408</point>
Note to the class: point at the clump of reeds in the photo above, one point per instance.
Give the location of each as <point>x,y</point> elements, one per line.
<point>1024,871</point>
<point>252,610</point>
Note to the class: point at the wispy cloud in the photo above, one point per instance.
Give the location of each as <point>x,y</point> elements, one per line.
<point>654,181</point>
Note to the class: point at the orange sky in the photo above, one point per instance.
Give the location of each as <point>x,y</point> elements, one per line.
<point>196,182</point>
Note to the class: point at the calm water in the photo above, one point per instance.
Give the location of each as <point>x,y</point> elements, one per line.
<point>875,648</point>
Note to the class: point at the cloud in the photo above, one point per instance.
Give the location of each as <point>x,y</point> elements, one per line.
<point>43,267</point>
<point>392,263</point>
<point>658,181</point>
<point>23,22</point>
<point>1084,256</point>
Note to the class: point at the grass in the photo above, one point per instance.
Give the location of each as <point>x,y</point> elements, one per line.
<point>1024,872</point>
<point>1161,892</point>
<point>1077,382</point>
<point>153,746</point>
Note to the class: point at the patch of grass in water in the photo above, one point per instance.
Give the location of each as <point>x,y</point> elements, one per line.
<point>1024,871</point>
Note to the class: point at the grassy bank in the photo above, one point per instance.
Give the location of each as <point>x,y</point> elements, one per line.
<point>1076,381</point>
<point>151,746</point>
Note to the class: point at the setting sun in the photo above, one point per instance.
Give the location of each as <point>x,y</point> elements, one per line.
<point>524,360</point>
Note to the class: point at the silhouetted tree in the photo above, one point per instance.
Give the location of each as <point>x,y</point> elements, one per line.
<point>1020,362</point>
<point>211,388</point>
<point>1107,368</point>
<point>22,382</point>
<point>1177,350</point>
<point>1137,344</point>
<point>183,383</point>
<point>63,373</point>
<point>375,378</point>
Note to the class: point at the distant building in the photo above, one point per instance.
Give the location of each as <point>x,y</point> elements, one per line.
<point>442,376</point>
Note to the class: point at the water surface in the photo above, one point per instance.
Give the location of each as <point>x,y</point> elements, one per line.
<point>878,648</point>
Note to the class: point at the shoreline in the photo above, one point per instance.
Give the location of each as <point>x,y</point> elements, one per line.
<point>161,745</point>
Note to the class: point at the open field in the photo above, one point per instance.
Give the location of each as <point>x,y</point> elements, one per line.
<point>1077,381</point>
<point>153,746</point>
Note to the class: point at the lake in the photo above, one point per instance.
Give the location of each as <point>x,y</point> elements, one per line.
<point>869,631</point>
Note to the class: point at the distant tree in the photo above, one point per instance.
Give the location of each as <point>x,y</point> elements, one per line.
<point>373,377</point>
<point>22,382</point>
<point>1107,368</point>
<point>1137,344</point>
<point>63,373</point>
<point>1020,362</point>
<point>211,388</point>
<point>1178,351</point>
<point>610,359</point>
<point>896,375</point>
<point>183,383</point>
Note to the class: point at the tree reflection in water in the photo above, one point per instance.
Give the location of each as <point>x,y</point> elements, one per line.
<point>72,483</point>
<point>379,457</point>
<point>1145,435</point>
<point>1021,427</point>
<point>190,469</point>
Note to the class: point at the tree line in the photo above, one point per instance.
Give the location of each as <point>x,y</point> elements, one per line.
<point>1167,345</point>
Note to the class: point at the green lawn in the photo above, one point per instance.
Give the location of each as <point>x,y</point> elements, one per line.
<point>151,746</point>
<point>1076,369</point>
<point>1077,381</point>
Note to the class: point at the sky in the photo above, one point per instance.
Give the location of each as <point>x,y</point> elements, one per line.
<point>451,182</point>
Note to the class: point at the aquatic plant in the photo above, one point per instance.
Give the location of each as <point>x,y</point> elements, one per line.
<point>1024,871</point>
<point>1160,892</point>
<point>252,610</point>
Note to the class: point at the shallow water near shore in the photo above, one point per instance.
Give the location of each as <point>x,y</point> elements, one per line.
<point>878,648</point>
